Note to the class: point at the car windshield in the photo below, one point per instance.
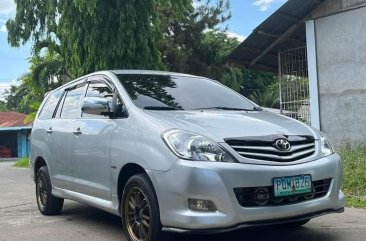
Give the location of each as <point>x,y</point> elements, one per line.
<point>175,92</point>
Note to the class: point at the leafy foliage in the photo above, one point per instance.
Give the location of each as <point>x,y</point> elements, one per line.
<point>3,106</point>
<point>22,163</point>
<point>93,34</point>
<point>354,184</point>
<point>257,81</point>
<point>14,96</point>
<point>72,38</point>
<point>197,44</point>
<point>46,73</point>
<point>268,98</point>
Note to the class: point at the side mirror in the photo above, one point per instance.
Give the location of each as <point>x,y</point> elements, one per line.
<point>96,106</point>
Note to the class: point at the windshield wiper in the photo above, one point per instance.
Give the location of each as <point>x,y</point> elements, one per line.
<point>228,108</point>
<point>160,108</point>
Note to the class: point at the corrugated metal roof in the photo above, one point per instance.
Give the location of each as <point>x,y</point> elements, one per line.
<point>15,128</point>
<point>284,29</point>
<point>12,119</point>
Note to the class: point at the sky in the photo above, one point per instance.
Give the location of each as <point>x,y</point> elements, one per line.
<point>246,16</point>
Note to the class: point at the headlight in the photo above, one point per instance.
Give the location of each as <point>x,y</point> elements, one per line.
<point>191,146</point>
<point>326,146</point>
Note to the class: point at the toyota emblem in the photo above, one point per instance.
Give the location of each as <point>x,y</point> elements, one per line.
<point>283,145</point>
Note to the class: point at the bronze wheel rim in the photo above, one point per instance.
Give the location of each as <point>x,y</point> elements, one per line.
<point>41,191</point>
<point>137,214</point>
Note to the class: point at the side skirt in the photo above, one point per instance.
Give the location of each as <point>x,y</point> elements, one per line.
<point>108,206</point>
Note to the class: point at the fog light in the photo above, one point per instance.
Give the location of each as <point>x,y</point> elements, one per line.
<point>261,196</point>
<point>310,195</point>
<point>201,205</point>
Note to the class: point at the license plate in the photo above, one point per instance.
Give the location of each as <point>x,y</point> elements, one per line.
<point>293,185</point>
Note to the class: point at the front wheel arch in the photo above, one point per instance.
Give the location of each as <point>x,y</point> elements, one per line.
<point>126,172</point>
<point>129,170</point>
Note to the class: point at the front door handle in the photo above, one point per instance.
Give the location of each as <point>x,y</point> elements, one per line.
<point>78,131</point>
<point>49,131</point>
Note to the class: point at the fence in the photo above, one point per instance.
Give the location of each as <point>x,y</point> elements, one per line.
<point>294,84</point>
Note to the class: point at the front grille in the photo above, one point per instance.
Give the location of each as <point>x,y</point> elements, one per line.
<point>263,148</point>
<point>247,198</point>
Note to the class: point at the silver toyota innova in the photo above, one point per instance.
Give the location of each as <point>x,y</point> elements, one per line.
<point>176,152</point>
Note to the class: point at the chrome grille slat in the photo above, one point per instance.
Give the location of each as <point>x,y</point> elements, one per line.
<point>292,156</point>
<point>271,148</point>
<point>263,148</point>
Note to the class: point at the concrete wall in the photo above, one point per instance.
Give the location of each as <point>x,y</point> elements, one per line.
<point>341,64</point>
<point>329,7</point>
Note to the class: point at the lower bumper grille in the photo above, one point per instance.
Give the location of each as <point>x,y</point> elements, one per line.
<point>247,198</point>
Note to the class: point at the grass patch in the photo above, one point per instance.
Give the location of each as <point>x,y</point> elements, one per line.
<point>354,171</point>
<point>23,163</point>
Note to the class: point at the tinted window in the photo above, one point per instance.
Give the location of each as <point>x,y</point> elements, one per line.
<point>50,105</point>
<point>70,108</point>
<point>99,90</point>
<point>181,92</point>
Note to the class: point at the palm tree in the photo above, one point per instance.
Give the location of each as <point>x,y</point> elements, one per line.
<point>269,98</point>
<point>47,72</point>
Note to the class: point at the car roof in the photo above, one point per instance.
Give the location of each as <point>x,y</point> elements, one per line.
<point>151,72</point>
<point>124,71</point>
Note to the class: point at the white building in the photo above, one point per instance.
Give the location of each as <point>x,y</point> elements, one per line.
<point>322,45</point>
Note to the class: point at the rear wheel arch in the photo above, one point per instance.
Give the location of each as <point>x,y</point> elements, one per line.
<point>47,203</point>
<point>40,162</point>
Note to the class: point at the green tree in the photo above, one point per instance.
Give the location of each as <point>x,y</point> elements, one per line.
<point>268,98</point>
<point>216,47</point>
<point>3,106</point>
<point>257,81</point>
<point>197,44</point>
<point>95,34</point>
<point>184,45</point>
<point>72,38</point>
<point>14,96</point>
<point>47,71</point>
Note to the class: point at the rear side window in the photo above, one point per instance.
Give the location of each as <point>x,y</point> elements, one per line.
<point>50,105</point>
<point>71,105</point>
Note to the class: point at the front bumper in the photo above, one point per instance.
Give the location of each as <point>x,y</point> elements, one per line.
<point>253,224</point>
<point>216,182</point>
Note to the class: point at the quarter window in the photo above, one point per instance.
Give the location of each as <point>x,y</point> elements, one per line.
<point>50,105</point>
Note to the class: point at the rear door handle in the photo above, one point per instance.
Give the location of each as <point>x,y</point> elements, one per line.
<point>49,131</point>
<point>78,131</point>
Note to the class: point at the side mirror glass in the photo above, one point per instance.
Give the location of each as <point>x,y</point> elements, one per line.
<point>96,106</point>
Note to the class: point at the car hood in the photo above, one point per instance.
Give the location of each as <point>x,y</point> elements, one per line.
<point>219,125</point>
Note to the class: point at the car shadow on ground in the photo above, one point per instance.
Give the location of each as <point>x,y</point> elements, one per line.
<point>84,214</point>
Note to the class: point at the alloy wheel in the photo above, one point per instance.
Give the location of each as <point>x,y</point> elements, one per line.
<point>137,214</point>
<point>42,191</point>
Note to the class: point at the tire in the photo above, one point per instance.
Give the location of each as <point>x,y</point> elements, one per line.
<point>140,210</point>
<point>47,203</point>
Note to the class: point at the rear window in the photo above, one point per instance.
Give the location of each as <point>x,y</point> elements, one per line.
<point>50,105</point>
